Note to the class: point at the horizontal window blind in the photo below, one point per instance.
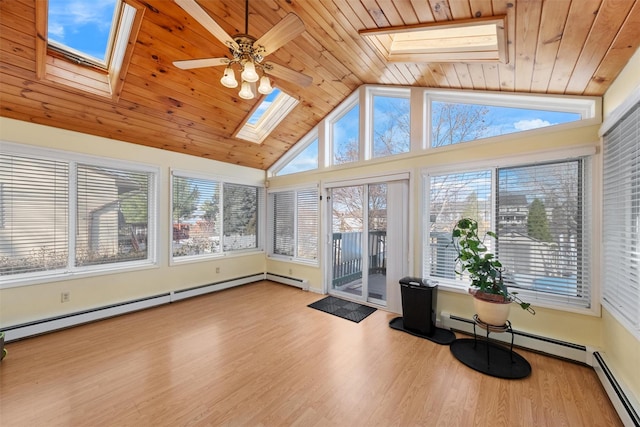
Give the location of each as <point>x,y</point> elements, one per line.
<point>283,223</point>
<point>307,224</point>
<point>451,197</point>
<point>34,214</point>
<point>293,223</point>
<point>621,220</point>
<point>112,215</point>
<point>543,243</point>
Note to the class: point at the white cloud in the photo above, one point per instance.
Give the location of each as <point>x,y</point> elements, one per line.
<point>531,124</point>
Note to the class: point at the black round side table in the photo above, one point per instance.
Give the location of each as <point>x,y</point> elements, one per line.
<point>488,357</point>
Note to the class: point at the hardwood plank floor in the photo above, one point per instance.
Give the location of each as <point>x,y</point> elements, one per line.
<point>255,355</point>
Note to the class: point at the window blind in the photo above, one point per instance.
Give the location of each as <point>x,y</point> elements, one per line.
<point>307,224</point>
<point>451,197</point>
<point>283,236</point>
<point>112,215</point>
<point>293,223</point>
<point>621,220</point>
<point>34,202</point>
<point>543,241</point>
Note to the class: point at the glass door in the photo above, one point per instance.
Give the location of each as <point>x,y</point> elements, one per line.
<point>359,242</point>
<point>347,227</point>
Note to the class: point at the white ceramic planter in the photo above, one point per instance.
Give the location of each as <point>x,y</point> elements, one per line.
<point>491,312</point>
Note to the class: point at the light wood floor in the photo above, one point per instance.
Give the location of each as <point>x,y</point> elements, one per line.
<point>257,356</point>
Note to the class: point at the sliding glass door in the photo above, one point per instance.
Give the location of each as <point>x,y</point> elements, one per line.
<point>360,241</point>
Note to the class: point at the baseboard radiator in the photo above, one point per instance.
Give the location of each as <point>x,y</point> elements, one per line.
<point>627,407</point>
<point>624,402</point>
<point>292,281</point>
<point>43,326</point>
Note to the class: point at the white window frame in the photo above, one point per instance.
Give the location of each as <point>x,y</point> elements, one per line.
<point>294,258</point>
<point>221,180</point>
<point>94,270</point>
<point>587,151</point>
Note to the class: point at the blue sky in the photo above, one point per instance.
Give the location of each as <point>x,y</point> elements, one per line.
<point>82,25</point>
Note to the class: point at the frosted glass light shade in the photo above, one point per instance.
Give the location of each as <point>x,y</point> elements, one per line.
<point>245,91</point>
<point>265,86</point>
<point>229,78</point>
<point>249,72</point>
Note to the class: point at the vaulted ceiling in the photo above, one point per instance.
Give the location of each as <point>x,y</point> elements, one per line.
<point>558,47</point>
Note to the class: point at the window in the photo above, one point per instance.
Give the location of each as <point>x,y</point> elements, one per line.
<point>306,160</point>
<point>85,29</point>
<point>112,221</point>
<point>540,214</point>
<point>88,44</point>
<point>211,217</point>
<point>345,136</point>
<point>242,209</point>
<point>293,224</point>
<point>455,117</point>
<point>391,125</point>
<point>621,220</point>
<point>195,213</point>
<point>268,114</point>
<point>480,39</point>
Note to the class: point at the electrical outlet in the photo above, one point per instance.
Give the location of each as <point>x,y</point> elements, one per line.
<point>217,270</point>
<point>290,271</point>
<point>65,296</point>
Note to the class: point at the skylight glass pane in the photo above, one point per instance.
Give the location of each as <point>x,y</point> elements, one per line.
<point>264,106</point>
<point>85,27</point>
<point>346,146</point>
<point>452,123</point>
<point>390,126</point>
<point>305,161</point>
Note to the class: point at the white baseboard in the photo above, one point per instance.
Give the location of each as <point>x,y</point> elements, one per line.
<point>292,281</point>
<point>43,326</point>
<point>621,398</point>
<point>212,287</point>
<point>626,405</point>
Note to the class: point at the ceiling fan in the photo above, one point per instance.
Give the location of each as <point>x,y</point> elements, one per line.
<point>247,52</point>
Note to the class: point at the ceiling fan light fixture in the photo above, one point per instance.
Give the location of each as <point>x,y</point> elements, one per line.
<point>265,87</point>
<point>245,91</point>
<point>249,72</point>
<point>229,78</point>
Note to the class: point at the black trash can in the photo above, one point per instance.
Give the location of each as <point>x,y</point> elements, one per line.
<point>419,299</point>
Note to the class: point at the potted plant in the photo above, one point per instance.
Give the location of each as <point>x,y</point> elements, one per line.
<point>492,299</point>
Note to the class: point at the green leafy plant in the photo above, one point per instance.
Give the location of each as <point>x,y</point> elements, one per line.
<point>484,269</point>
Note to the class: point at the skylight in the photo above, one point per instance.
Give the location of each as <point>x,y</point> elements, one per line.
<point>266,116</point>
<point>472,40</point>
<point>89,43</point>
<point>85,29</point>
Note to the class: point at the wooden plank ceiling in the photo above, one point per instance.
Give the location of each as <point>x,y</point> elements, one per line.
<point>558,46</point>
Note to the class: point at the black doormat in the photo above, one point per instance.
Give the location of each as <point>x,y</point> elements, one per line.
<point>341,308</point>
<point>501,362</point>
<point>439,336</point>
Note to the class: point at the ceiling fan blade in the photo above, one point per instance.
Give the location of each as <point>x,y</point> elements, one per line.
<point>199,14</point>
<point>188,64</point>
<point>288,74</point>
<point>287,29</point>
